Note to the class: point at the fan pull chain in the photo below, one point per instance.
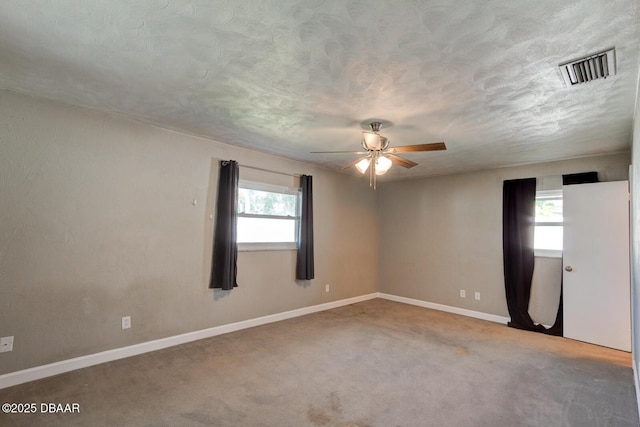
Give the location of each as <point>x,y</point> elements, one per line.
<point>372,172</point>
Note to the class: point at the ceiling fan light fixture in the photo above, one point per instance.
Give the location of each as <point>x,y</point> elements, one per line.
<point>363,165</point>
<point>373,141</point>
<point>378,157</point>
<point>383,164</point>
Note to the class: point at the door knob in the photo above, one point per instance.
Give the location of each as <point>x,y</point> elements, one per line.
<point>568,268</point>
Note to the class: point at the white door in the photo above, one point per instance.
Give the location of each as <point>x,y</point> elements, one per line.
<point>596,284</point>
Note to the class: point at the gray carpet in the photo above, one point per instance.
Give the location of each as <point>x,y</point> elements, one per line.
<point>376,363</point>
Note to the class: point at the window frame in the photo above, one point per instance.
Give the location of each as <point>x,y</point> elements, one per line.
<point>271,188</point>
<point>553,195</point>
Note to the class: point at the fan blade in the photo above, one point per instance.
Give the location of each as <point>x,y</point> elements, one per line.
<point>435,146</point>
<point>401,161</point>
<point>352,164</point>
<point>337,152</point>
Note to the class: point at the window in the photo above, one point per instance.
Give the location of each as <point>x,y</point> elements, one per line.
<point>268,216</point>
<point>548,229</point>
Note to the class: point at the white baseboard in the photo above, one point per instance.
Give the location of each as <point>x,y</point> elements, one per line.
<point>447,308</point>
<point>39,372</point>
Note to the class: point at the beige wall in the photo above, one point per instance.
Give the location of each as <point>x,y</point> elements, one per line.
<point>635,242</point>
<point>442,234</point>
<point>97,222</point>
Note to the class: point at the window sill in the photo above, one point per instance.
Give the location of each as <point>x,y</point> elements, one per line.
<point>267,246</point>
<point>547,253</point>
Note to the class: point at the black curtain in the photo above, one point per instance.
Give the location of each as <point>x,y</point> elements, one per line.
<point>580,178</point>
<point>518,221</point>
<point>224,268</point>
<point>304,262</point>
<point>557,328</point>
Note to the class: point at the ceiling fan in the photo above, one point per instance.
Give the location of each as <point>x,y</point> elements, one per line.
<point>379,157</point>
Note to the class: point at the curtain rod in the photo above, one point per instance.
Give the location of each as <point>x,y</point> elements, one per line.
<point>295,175</point>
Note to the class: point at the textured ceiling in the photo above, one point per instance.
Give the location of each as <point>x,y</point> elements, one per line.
<point>290,77</point>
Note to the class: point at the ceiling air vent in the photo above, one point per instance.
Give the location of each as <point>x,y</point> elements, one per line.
<point>597,66</point>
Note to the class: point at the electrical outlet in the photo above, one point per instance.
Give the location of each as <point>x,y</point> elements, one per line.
<point>6,344</point>
<point>477,296</point>
<point>126,322</point>
<point>463,293</point>
<point>326,287</point>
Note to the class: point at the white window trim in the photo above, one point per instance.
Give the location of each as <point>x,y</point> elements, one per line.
<point>267,246</point>
<point>549,194</point>
<point>547,253</point>
<point>270,246</point>
<point>261,186</point>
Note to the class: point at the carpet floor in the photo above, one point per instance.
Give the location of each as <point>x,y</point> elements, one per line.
<point>375,363</point>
